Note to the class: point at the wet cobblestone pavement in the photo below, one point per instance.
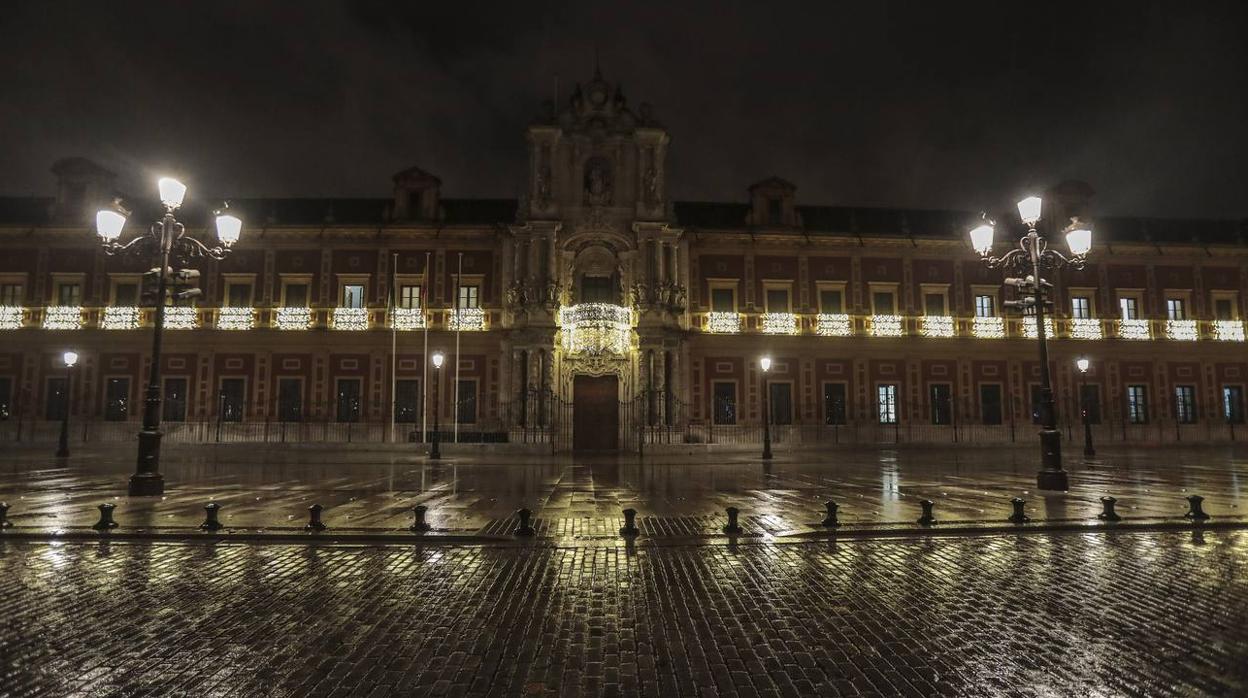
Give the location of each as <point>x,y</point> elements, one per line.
<point>374,490</point>
<point>1095,614</point>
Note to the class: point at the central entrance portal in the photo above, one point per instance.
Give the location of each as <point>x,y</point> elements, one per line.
<point>596,413</point>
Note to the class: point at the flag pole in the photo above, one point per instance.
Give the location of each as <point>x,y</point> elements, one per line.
<point>394,340</point>
<point>424,376</point>
<point>458,325</point>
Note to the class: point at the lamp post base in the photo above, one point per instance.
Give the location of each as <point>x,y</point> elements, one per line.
<point>1052,480</point>
<point>147,485</point>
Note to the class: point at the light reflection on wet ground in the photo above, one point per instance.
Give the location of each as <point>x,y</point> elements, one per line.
<point>370,488</point>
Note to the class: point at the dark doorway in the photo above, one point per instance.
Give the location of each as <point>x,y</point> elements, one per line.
<point>596,413</point>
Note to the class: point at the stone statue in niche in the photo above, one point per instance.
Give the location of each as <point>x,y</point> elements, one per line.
<point>543,178</point>
<point>598,182</point>
<point>651,184</point>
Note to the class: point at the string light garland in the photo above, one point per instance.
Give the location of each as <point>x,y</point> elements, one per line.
<point>833,325</point>
<point>1181,330</point>
<point>467,319</point>
<point>120,318</point>
<point>938,326</point>
<point>779,323</point>
<point>181,318</point>
<point>1086,328</point>
<point>988,328</point>
<point>293,318</point>
<point>1029,327</point>
<point>1228,330</point>
<point>408,319</point>
<point>236,319</point>
<point>62,317</point>
<point>723,323</point>
<point>596,328</point>
<point>350,319</point>
<point>12,317</point>
<point>1134,329</point>
<point>886,326</point>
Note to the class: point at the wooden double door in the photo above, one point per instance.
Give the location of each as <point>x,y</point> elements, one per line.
<point>596,413</point>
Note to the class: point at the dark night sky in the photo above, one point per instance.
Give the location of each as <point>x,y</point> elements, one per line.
<point>922,104</point>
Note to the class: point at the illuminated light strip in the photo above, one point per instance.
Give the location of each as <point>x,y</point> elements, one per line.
<point>1181,330</point>
<point>293,318</point>
<point>408,318</point>
<point>180,318</point>
<point>62,317</point>
<point>779,323</point>
<point>596,328</point>
<point>1228,330</point>
<point>12,317</point>
<point>938,326</point>
<point>832,325</point>
<point>988,327</point>
<point>350,319</point>
<point>120,318</point>
<point>1086,328</point>
<point>886,326</point>
<point>1134,329</point>
<point>236,318</point>
<point>1029,327</point>
<point>467,319</point>
<point>723,323</point>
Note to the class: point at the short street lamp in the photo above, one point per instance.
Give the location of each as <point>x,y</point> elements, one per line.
<point>1083,364</point>
<point>438,358</point>
<point>62,448</point>
<point>765,363</point>
<point>1029,259</point>
<point>164,242</point>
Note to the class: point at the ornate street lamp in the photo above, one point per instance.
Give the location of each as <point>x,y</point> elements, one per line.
<point>62,448</point>
<point>438,358</point>
<point>765,363</point>
<point>1031,257</point>
<point>164,242</point>
<point>1083,364</point>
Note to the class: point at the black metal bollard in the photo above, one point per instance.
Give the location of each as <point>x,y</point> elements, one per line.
<point>419,525</point>
<point>630,523</point>
<point>1019,516</point>
<point>927,519</point>
<point>733,527</point>
<point>525,528</point>
<point>1107,510</point>
<point>830,520</point>
<point>1195,511</point>
<point>314,518</point>
<point>211,523</point>
<point>4,515</point>
<point>106,518</point>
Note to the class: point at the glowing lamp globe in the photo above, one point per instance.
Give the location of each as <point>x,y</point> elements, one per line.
<point>765,362</point>
<point>438,359</point>
<point>229,228</point>
<point>1029,210</point>
<point>71,358</point>
<point>108,224</point>
<point>981,238</point>
<point>171,191</point>
<point>1079,241</point>
<point>1083,365</point>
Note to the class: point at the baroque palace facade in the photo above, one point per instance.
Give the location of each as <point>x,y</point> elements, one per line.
<point>594,311</point>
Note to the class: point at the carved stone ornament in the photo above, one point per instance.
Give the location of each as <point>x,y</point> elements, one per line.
<point>594,365</point>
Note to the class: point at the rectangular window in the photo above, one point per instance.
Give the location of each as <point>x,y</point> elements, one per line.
<point>1175,309</point>
<point>777,300</point>
<point>348,402</point>
<point>116,399</point>
<point>126,295</point>
<point>173,406</point>
<point>834,411</point>
<point>1185,404</point>
<point>352,296</point>
<point>469,296</point>
<point>289,400</point>
<point>1081,308</point>
<point>723,300</point>
<point>232,400</point>
<point>239,295</point>
<point>883,303</point>
<point>1232,404</point>
<point>724,409</point>
<point>831,301</point>
<point>886,403</point>
<point>985,306</point>
<point>597,289</point>
<point>1090,403</point>
<point>409,297</point>
<point>1129,308</point>
<point>1037,404</point>
<point>12,294</point>
<point>69,294</point>
<point>296,296</point>
<point>467,409</point>
<point>990,404</point>
<point>780,403</point>
<point>6,398</point>
<point>934,304</point>
<point>1223,308</point>
<point>56,401</point>
<point>1137,404</point>
<point>407,400</point>
<point>941,398</point>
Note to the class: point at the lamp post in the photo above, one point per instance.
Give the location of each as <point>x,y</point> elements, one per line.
<point>1031,257</point>
<point>62,448</point>
<point>1083,364</point>
<point>165,241</point>
<point>765,363</point>
<point>438,358</point>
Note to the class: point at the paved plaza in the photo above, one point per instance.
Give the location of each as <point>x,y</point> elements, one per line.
<point>675,494</point>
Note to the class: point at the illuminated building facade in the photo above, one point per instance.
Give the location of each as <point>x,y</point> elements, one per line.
<point>594,310</point>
